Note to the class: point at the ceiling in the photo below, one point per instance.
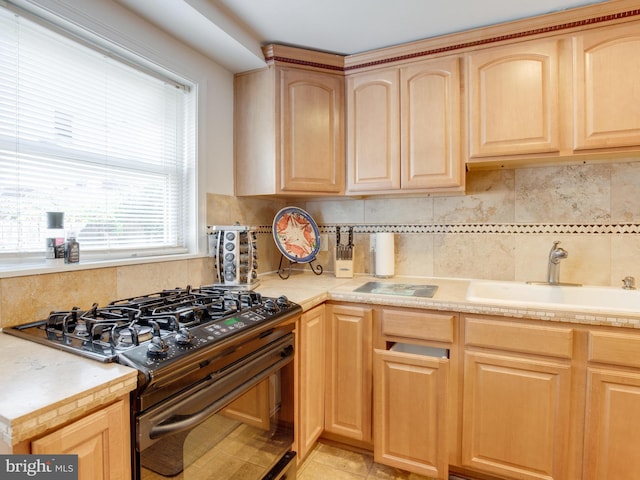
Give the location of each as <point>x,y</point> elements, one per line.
<point>232,31</point>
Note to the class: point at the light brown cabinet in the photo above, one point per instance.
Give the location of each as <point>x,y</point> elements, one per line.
<point>611,439</point>
<point>410,405</point>
<point>517,399</point>
<point>373,131</point>
<point>403,130</point>
<point>252,407</point>
<point>101,441</point>
<point>413,402</point>
<point>613,407</point>
<point>607,97</point>
<point>289,132</point>
<point>349,373</point>
<point>514,99</point>
<point>311,356</point>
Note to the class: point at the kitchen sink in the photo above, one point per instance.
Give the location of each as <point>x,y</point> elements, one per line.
<point>578,298</point>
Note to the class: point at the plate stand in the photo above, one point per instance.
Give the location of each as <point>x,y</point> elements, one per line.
<point>285,272</point>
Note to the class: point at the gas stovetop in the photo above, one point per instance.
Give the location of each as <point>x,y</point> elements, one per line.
<point>153,331</point>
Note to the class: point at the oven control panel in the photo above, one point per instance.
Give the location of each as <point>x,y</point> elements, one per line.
<point>167,347</point>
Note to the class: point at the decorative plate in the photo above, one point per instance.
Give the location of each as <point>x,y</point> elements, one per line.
<point>296,235</point>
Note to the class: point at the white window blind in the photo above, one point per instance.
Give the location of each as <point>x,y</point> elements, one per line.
<point>85,134</point>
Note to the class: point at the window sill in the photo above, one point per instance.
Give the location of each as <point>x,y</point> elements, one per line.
<point>40,268</point>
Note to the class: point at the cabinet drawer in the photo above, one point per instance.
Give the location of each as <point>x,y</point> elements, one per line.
<point>418,325</point>
<point>614,348</point>
<point>516,337</point>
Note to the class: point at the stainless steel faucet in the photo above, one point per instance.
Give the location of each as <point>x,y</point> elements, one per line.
<point>629,283</point>
<point>555,255</point>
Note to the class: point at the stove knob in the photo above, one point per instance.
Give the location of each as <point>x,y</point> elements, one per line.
<point>158,348</point>
<point>184,337</point>
<point>282,301</point>
<point>270,306</point>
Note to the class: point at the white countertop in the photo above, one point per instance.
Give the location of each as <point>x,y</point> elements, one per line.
<point>310,290</point>
<point>42,387</point>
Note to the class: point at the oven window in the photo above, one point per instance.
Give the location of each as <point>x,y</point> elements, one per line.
<point>244,440</point>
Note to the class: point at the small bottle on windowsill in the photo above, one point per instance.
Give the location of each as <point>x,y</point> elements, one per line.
<point>71,249</point>
<point>54,243</point>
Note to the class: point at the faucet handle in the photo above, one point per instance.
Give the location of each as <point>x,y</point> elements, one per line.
<point>629,283</point>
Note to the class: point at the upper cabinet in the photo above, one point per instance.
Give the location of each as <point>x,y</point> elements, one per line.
<point>403,129</point>
<point>514,99</point>
<point>566,98</point>
<point>410,119</point>
<point>373,131</point>
<point>606,85</point>
<point>289,130</point>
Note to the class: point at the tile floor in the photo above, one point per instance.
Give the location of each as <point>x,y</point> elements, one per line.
<point>330,462</point>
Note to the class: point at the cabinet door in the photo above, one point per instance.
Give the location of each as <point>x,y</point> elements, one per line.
<point>101,441</point>
<point>612,439</point>
<point>410,411</point>
<point>311,131</point>
<point>607,97</point>
<point>311,375</point>
<point>252,407</point>
<point>373,131</point>
<point>516,416</point>
<point>430,125</point>
<point>349,372</point>
<point>513,99</point>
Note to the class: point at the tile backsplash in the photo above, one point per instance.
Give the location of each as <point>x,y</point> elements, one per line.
<point>502,229</point>
<point>504,226</point>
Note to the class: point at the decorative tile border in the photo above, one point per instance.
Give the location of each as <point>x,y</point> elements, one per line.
<point>489,228</point>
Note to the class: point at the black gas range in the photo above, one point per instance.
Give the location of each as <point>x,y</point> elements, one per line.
<point>200,353</point>
<point>162,333</point>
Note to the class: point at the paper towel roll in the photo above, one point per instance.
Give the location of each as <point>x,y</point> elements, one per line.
<point>385,254</point>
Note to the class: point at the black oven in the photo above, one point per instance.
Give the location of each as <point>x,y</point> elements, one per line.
<point>237,423</point>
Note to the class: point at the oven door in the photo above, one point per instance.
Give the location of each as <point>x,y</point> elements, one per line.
<point>234,424</point>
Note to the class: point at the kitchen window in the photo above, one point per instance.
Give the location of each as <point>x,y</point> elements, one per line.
<point>89,133</point>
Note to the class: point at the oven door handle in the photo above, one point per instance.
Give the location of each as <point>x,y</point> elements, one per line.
<point>214,396</point>
<point>164,429</point>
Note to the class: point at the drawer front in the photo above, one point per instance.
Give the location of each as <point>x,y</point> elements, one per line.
<point>614,348</point>
<point>517,337</point>
<point>418,325</point>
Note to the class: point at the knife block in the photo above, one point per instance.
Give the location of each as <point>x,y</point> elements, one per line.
<point>344,267</point>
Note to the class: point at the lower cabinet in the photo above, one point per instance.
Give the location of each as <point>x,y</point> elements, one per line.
<point>101,441</point>
<point>516,399</point>
<point>516,416</point>
<point>410,412</point>
<point>252,408</point>
<point>310,375</point>
<point>349,372</point>
<point>414,401</point>
<point>612,436</point>
<point>517,405</point>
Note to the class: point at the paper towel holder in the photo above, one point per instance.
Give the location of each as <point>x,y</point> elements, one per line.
<point>383,263</point>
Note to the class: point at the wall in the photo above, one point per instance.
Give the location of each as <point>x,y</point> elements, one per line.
<point>504,226</point>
